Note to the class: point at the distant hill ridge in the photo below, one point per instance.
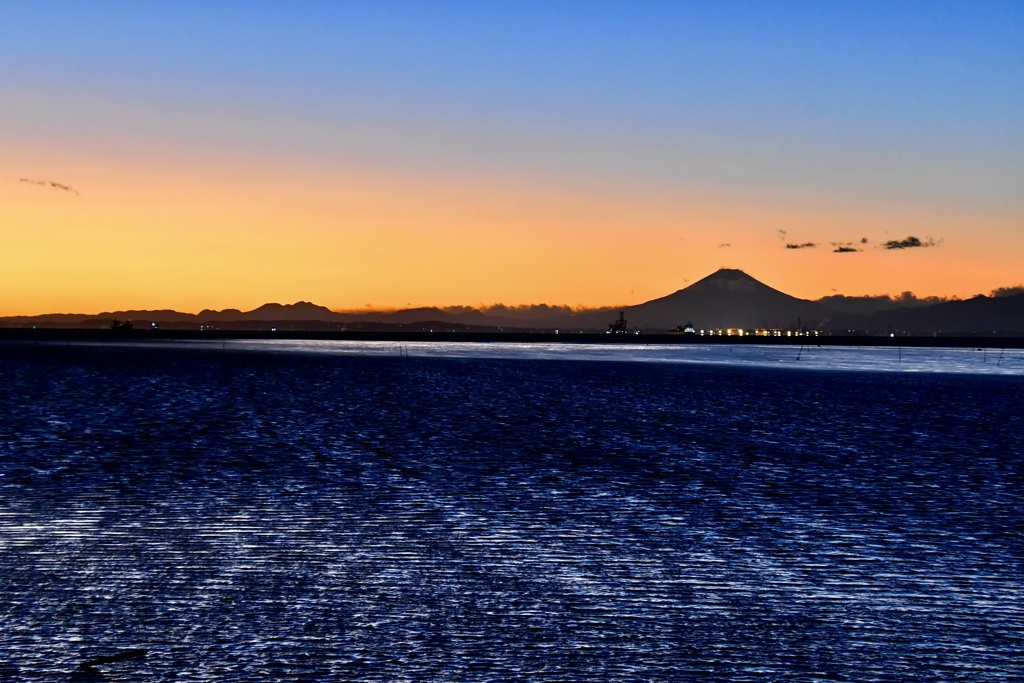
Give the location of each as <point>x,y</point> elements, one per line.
<point>727,298</point>
<point>300,310</point>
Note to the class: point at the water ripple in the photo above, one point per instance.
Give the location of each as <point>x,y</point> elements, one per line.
<point>363,518</point>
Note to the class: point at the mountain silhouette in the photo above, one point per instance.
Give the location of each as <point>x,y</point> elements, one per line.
<point>727,298</point>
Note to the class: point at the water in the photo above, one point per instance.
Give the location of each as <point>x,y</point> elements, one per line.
<point>805,357</point>
<point>439,513</point>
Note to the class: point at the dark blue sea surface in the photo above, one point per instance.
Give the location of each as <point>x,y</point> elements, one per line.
<point>294,517</point>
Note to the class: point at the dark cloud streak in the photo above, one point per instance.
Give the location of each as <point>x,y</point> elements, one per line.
<point>50,183</point>
<point>909,243</point>
<point>847,247</point>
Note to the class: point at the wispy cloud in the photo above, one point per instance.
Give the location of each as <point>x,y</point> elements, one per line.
<point>59,186</point>
<point>848,247</point>
<point>49,183</point>
<point>909,243</point>
<point>782,235</point>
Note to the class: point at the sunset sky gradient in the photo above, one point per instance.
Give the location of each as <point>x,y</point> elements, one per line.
<point>194,155</point>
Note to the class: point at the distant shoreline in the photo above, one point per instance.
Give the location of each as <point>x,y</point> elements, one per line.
<point>144,336</point>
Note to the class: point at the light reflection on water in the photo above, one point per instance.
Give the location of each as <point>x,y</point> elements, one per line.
<point>893,358</point>
<point>345,516</point>
<point>810,357</point>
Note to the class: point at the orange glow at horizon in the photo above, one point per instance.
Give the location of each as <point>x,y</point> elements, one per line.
<point>348,239</point>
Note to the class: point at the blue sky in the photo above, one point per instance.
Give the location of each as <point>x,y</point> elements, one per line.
<point>936,76</point>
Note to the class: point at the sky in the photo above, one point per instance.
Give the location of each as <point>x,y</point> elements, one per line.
<point>191,155</point>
